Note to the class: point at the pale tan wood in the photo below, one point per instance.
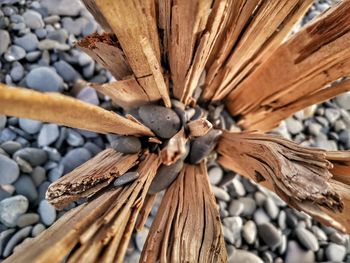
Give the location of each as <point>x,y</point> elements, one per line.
<point>126,93</point>
<point>101,169</point>
<point>313,57</point>
<point>199,127</point>
<point>187,226</point>
<point>106,50</point>
<point>288,169</point>
<point>145,211</point>
<point>91,6</point>
<point>64,110</point>
<point>174,149</point>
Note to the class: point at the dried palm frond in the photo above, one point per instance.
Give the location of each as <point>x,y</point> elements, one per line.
<point>185,56</point>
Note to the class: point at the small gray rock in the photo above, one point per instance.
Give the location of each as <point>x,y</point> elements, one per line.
<point>335,252</point>
<point>16,239</point>
<point>37,229</point>
<point>48,44</point>
<point>307,239</point>
<point>294,126</point>
<point>238,188</point>
<point>126,178</point>
<point>32,155</point>
<point>165,176</point>
<point>5,41</point>
<point>295,254</point>
<point>47,212</point>
<point>62,7</point>
<point>44,79</point>
<point>332,114</point>
<point>4,238</point>
<point>127,144</point>
<point>11,208</point>
<point>23,165</point>
<point>74,158</point>
<point>25,186</point>
<point>33,19</point>
<point>9,170</point>
<point>343,100</point>
<point>48,134</point>
<point>3,121</point>
<point>236,208</point>
<point>260,217</point>
<point>88,95</point>
<point>270,234</point>
<point>249,232</point>
<point>74,138</point>
<point>66,71</point>
<point>29,42</point>
<point>164,122</point>
<point>244,256</point>
<point>215,174</point>
<point>220,193</point>
<point>14,53</point>
<point>17,72</point>
<point>56,173</point>
<point>249,205</point>
<point>27,219</point>
<point>140,238</point>
<point>38,175</point>
<point>271,208</point>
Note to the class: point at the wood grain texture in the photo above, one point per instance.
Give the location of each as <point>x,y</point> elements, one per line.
<point>64,110</point>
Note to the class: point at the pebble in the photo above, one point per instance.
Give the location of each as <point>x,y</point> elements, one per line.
<point>335,252</point>
<point>11,147</point>
<point>140,238</point>
<point>4,238</point>
<point>295,254</point>
<point>249,232</point>
<point>165,176</point>
<point>236,208</point>
<point>220,193</point>
<point>74,138</point>
<point>33,19</point>
<point>9,170</point>
<point>47,213</point>
<point>29,42</point>
<point>23,165</point>
<point>215,175</point>
<point>62,7</point>
<point>343,100</point>
<point>164,122</point>
<point>260,217</point>
<point>37,229</point>
<point>338,238</point>
<point>3,121</point>
<point>238,188</point>
<point>16,239</point>
<point>244,256</point>
<point>17,72</point>
<point>5,41</point>
<point>74,158</point>
<point>249,206</point>
<point>307,239</point>
<point>48,134</point>
<point>55,173</point>
<point>14,53</point>
<point>294,126</point>
<point>44,79</point>
<point>318,232</point>
<point>25,186</point>
<point>127,144</point>
<point>34,156</point>
<point>38,175</point>
<point>66,71</point>
<point>48,44</point>
<point>126,178</point>
<point>270,234</point>
<point>271,208</point>
<point>27,219</point>
<point>11,208</point>
<point>332,114</point>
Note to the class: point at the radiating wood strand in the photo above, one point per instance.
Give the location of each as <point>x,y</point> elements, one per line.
<point>313,57</point>
<point>288,169</point>
<point>187,226</point>
<point>106,50</point>
<point>64,110</point>
<point>84,181</point>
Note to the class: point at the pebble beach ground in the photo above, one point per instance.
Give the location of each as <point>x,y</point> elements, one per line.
<point>37,51</point>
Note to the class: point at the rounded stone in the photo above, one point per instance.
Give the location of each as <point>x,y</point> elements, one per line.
<point>27,219</point>
<point>25,186</point>
<point>249,205</point>
<point>88,95</point>
<point>44,79</point>
<point>16,239</point>
<point>38,175</point>
<point>249,232</point>
<point>66,71</point>
<point>47,212</point>
<point>164,122</point>
<point>74,138</point>
<point>335,252</point>
<point>9,170</point>
<point>5,41</point>
<point>11,147</point>
<point>14,53</point>
<point>74,158</point>
<point>140,238</point>
<point>295,254</point>
<point>4,238</point>
<point>126,178</point>
<point>271,208</point>
<point>236,208</point>
<point>215,175</point>
<point>32,155</point>
<point>33,19</point>
<point>29,42</point>
<point>11,208</point>
<point>270,234</point>
<point>240,255</point>
<point>127,144</point>
<point>48,134</point>
<point>37,229</point>
<point>343,100</point>
<point>307,239</point>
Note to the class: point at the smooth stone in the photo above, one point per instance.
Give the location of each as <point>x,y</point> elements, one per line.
<point>164,122</point>
<point>127,144</point>
<point>47,212</point>
<point>34,156</point>
<point>88,95</point>
<point>59,35</point>
<point>37,229</point>
<point>16,239</point>
<point>236,208</point>
<point>48,134</point>
<point>234,224</point>
<point>62,7</point>
<point>335,252</point>
<point>27,219</point>
<point>238,187</point>
<point>55,173</point>
<point>66,71</point>
<point>319,233</point>
<point>249,206</point>
<point>271,208</point>
<point>44,79</point>
<point>5,41</point>
<point>33,56</point>
<point>201,147</point>
<point>269,234</point>
<point>343,100</point>
<point>11,208</point>
<point>38,175</point>
<point>126,178</point>
<point>48,44</point>
<point>165,176</point>
<point>11,147</point>
<point>75,158</point>
<point>9,170</point>
<point>4,194</point>
<point>249,232</point>
<point>28,42</point>
<point>14,53</point>
<point>7,135</point>
<point>42,189</point>
<point>296,254</point>
<point>92,148</point>
<point>294,126</point>
<point>25,186</point>
<point>220,193</point>
<point>3,121</point>
<point>307,239</point>
<point>33,19</point>
<point>74,138</point>
<point>140,238</point>
<point>282,217</point>
<point>338,238</point>
<point>17,72</point>
<point>23,165</point>
<point>260,217</point>
<point>332,114</point>
<point>215,175</point>
<point>283,246</point>
<point>244,256</point>
<point>228,236</point>
<point>4,238</point>
<point>259,198</point>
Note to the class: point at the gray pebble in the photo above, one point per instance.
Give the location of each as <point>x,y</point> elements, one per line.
<point>220,193</point>
<point>47,212</point>
<point>37,229</point>
<point>48,44</point>
<point>307,239</point>
<point>7,135</point>
<point>269,234</point>
<point>88,95</point>
<point>28,42</point>
<point>74,138</point>
<point>164,122</point>
<point>294,126</point>
<point>23,165</point>
<point>249,206</point>
<point>59,35</point>
<point>332,114</point>
<point>25,186</point>
<point>9,170</point>
<point>38,175</point>
<point>44,79</point>
<point>249,232</point>
<point>234,224</point>
<point>33,56</point>
<point>66,71</point>
<point>32,155</point>
<point>343,101</point>
<point>33,19</point>
<point>48,134</point>
<point>335,252</point>
<point>11,208</point>
<point>92,148</point>
<point>238,188</point>
<point>16,239</point>
<point>165,176</point>
<point>282,220</point>
<point>3,194</point>
<point>27,219</point>
<point>215,175</point>
<point>338,238</point>
<point>295,254</point>
<point>74,158</point>
<point>5,41</point>
<point>236,208</point>
<point>17,72</point>
<point>3,121</point>
<point>62,7</point>
<point>240,255</point>
<point>55,173</point>
<point>140,238</point>
<point>11,147</point>
<point>271,208</point>
<point>43,189</point>
<point>14,53</point>
<point>318,232</point>
<point>126,178</point>
<point>127,144</point>
<point>4,238</point>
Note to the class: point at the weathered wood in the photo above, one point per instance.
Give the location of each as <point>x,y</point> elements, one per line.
<point>64,110</point>
<point>174,149</point>
<point>199,127</point>
<point>187,225</point>
<point>91,6</point>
